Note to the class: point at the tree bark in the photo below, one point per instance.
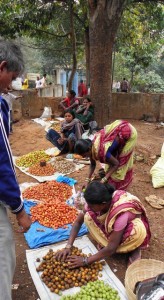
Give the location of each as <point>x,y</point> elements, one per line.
<point>87,55</point>
<point>73,40</point>
<point>105,16</point>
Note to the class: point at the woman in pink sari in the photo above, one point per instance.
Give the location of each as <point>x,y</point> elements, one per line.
<point>116,220</point>
<point>112,146</point>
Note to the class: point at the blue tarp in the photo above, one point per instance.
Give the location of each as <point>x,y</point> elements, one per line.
<point>39,235</point>
<point>67,180</point>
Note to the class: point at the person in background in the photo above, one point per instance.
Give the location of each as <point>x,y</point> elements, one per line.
<point>117,86</point>
<point>11,65</point>
<point>82,89</point>
<point>9,97</point>
<point>25,84</point>
<point>71,131</point>
<point>37,83</point>
<point>112,146</point>
<point>43,81</point>
<point>89,90</point>
<point>85,112</point>
<point>116,220</point>
<point>70,102</point>
<point>124,86</point>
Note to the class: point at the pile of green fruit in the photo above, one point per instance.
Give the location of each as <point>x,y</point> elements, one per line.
<point>97,290</point>
<point>31,158</point>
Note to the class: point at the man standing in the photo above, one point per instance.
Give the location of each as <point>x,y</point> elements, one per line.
<point>11,65</point>
<point>82,90</point>
<point>117,86</point>
<point>37,83</point>
<point>124,86</point>
<point>43,81</point>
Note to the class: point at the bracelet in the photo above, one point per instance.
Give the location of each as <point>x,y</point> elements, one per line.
<point>85,261</point>
<point>68,246</point>
<point>87,179</point>
<point>104,180</point>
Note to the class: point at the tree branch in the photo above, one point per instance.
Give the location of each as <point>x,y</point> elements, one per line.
<point>50,33</point>
<point>43,48</point>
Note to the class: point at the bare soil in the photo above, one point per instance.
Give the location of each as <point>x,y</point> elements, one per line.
<point>29,136</point>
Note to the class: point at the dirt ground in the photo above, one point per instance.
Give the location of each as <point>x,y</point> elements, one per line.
<point>29,136</point>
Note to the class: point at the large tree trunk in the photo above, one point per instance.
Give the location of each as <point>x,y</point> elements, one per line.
<point>105,16</point>
<point>87,55</point>
<point>73,40</point>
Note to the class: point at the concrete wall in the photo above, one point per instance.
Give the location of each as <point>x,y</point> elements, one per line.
<point>55,90</point>
<point>124,106</point>
<point>135,105</point>
<point>33,105</point>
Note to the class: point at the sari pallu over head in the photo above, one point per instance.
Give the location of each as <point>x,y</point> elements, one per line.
<point>136,233</point>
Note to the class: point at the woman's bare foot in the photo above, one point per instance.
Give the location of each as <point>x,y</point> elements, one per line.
<point>133,256</point>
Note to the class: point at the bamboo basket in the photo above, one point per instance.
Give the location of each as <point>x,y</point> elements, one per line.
<point>140,270</point>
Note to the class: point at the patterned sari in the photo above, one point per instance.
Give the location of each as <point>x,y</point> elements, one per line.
<point>102,142</point>
<point>137,231</point>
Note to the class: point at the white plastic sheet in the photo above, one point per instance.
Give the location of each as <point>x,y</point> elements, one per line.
<point>43,122</point>
<point>87,247</point>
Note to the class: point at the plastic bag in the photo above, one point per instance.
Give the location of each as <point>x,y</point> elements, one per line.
<point>157,171</point>
<point>87,135</point>
<point>79,200</point>
<point>47,112</point>
<point>17,84</point>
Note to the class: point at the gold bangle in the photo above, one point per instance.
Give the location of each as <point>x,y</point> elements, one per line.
<point>104,180</point>
<point>87,179</point>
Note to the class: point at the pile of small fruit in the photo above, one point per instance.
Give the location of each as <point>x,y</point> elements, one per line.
<point>49,191</point>
<point>97,290</point>
<point>63,166</point>
<point>31,158</point>
<point>54,215</point>
<point>58,277</point>
<point>56,127</point>
<point>38,170</point>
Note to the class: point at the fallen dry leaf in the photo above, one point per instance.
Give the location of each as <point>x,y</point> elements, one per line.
<point>155,201</point>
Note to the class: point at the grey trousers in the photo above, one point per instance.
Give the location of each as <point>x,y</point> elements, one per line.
<point>7,255</point>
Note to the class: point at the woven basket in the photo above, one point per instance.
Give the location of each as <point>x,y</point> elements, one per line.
<point>140,270</point>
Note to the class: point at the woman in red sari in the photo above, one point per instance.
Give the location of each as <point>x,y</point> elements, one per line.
<point>112,146</point>
<point>116,220</point>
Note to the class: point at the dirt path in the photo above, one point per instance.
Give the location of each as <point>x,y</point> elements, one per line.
<point>29,136</point>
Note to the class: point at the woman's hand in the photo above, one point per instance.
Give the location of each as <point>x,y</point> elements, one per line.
<point>75,261</point>
<point>63,254</point>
